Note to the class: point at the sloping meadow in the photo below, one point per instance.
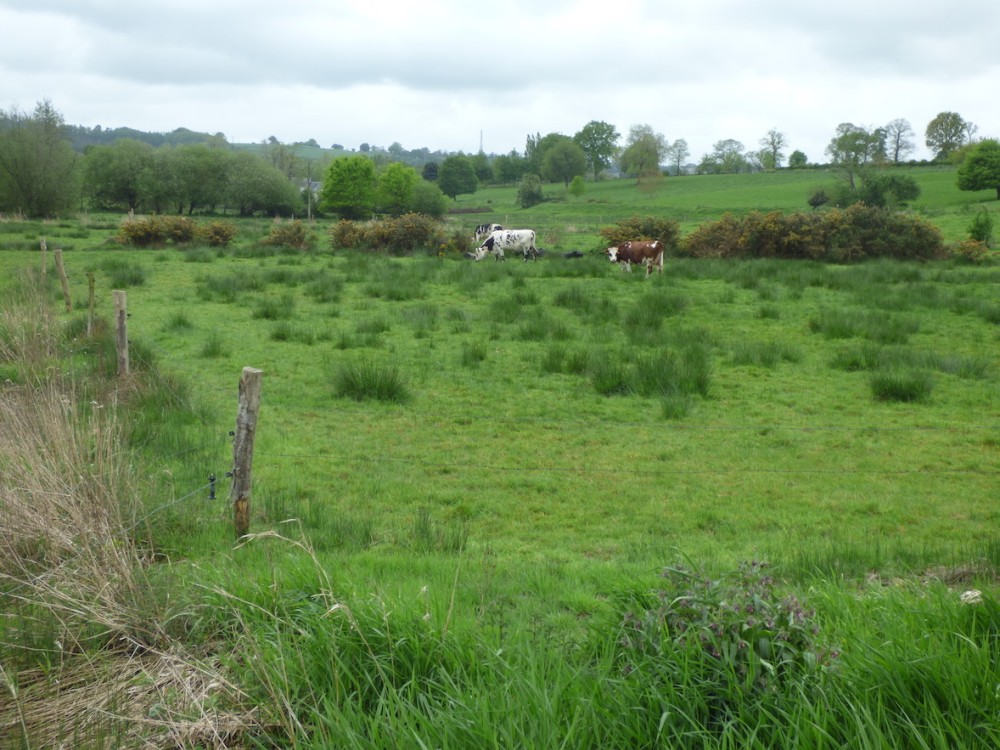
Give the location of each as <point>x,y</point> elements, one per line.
<point>468,478</point>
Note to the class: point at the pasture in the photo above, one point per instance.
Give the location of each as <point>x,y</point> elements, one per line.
<point>486,466</point>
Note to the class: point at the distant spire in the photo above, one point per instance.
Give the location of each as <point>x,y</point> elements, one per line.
<point>480,141</point>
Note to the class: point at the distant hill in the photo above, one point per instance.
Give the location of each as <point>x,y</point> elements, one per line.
<point>81,137</point>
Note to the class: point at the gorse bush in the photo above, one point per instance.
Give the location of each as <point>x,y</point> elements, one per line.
<point>217,233</point>
<point>666,231</point>
<point>402,235</point>
<point>292,235</point>
<point>840,235</point>
<point>155,231</point>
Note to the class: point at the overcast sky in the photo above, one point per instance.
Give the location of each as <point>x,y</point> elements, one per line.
<point>445,73</point>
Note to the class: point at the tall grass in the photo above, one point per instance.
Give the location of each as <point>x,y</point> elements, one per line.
<point>368,379</point>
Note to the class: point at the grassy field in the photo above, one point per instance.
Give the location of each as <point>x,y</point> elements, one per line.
<point>470,477</point>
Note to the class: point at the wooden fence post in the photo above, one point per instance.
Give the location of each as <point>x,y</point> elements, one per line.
<point>121,338</point>
<point>246,427</point>
<point>61,270</point>
<point>44,246</point>
<point>90,304</point>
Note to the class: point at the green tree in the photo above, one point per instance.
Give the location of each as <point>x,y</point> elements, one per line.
<point>38,168</point>
<point>644,151</point>
<point>115,175</point>
<point>483,169</point>
<point>429,200</point>
<point>457,176</point>
<point>853,150</point>
<point>577,187</point>
<point>394,193</point>
<point>564,161</point>
<point>797,160</point>
<point>160,181</point>
<point>349,187</point>
<point>254,186</point>
<point>677,153</point>
<point>728,156</point>
<point>509,168</point>
<point>599,141</point>
<point>771,149</point>
<point>889,190</point>
<point>981,168</point>
<point>899,140</point>
<point>946,133</point>
<point>529,192</point>
<point>430,171</point>
<point>203,175</point>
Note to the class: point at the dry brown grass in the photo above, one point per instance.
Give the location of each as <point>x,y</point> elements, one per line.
<point>86,656</point>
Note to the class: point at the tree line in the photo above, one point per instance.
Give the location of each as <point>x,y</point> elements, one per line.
<point>42,174</point>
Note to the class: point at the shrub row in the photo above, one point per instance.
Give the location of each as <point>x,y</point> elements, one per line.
<point>840,235</point>
<point>156,231</point>
<point>402,235</point>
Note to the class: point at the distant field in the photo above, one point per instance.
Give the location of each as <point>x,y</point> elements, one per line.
<point>571,223</point>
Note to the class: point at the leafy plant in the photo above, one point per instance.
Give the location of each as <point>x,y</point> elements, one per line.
<point>739,634</point>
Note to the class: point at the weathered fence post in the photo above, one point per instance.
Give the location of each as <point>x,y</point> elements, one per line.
<point>121,337</point>
<point>246,427</point>
<point>44,246</point>
<point>90,304</point>
<point>61,270</point>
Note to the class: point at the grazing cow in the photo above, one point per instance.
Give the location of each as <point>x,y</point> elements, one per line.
<point>485,230</point>
<point>508,239</point>
<point>649,252</point>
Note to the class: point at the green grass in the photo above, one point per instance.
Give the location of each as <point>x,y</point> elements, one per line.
<point>468,479</point>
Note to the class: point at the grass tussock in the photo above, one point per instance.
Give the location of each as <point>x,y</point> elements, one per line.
<point>368,380</point>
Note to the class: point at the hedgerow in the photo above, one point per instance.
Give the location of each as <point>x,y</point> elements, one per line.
<point>401,235</point>
<point>840,235</point>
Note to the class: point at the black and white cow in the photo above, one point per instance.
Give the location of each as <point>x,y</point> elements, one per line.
<point>649,252</point>
<point>508,239</point>
<point>485,230</point>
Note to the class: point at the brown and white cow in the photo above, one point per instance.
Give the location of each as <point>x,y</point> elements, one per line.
<point>649,252</point>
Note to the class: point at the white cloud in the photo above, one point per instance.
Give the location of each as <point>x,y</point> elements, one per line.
<point>437,73</point>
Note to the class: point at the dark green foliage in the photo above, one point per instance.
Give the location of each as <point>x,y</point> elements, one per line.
<point>666,231</point>
<point>735,636</point>
<point>818,198</point>
<point>981,228</point>
<point>981,168</point>
<point>889,190</point>
<point>901,385</point>
<point>529,191</point>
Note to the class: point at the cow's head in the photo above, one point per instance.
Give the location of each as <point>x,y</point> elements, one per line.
<point>613,254</point>
<point>483,250</point>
